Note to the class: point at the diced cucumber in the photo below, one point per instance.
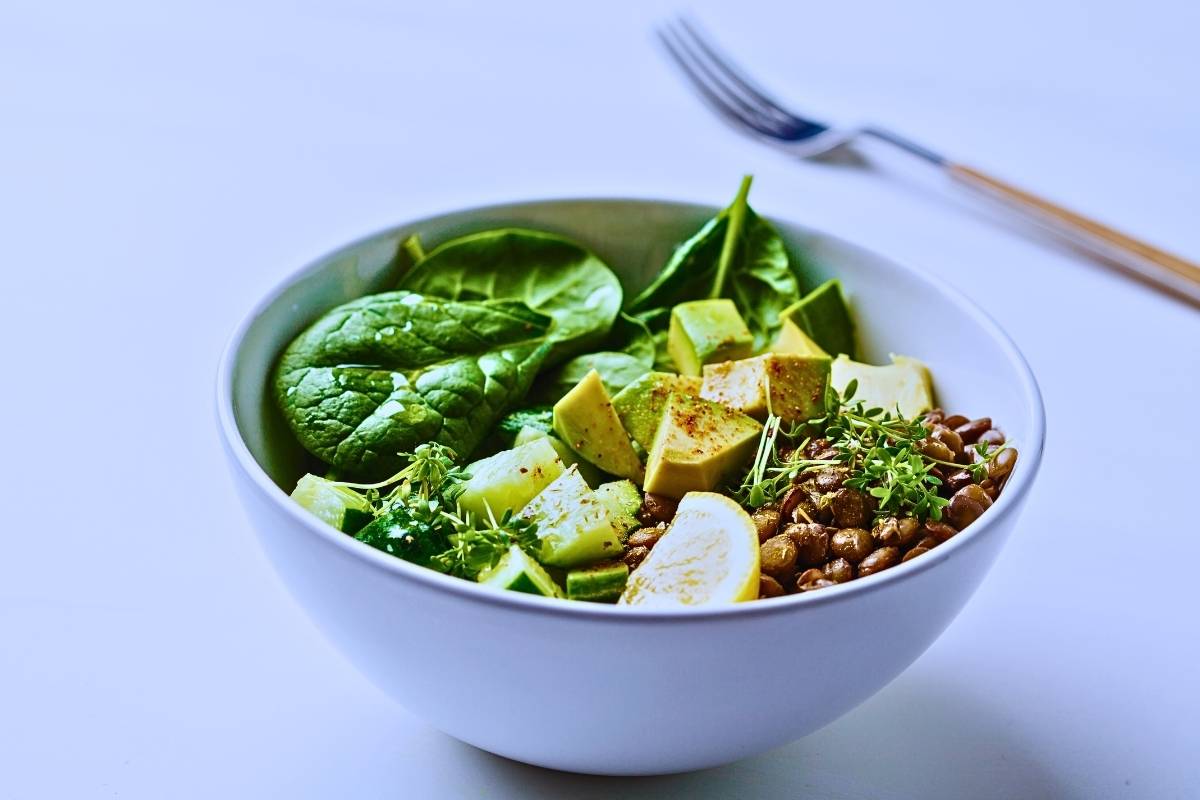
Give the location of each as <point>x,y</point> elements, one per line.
<point>622,499</point>
<point>591,474</point>
<point>517,572</point>
<point>529,434</point>
<point>511,478</point>
<point>340,506</point>
<point>602,583</point>
<point>573,524</point>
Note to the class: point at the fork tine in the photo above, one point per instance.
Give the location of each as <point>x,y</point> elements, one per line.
<point>733,74</point>
<point>726,103</point>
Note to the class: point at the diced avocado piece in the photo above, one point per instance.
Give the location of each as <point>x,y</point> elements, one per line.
<point>793,340</point>
<point>517,572</point>
<point>639,405</point>
<point>584,418</point>
<point>699,445</point>
<point>823,315</point>
<point>569,457</point>
<point>904,384</point>
<point>340,506</point>
<point>600,583</point>
<point>705,332</point>
<point>622,499</point>
<point>791,386</point>
<point>511,478</point>
<point>573,524</point>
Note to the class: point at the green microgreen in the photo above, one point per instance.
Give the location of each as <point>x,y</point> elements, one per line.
<point>881,452</point>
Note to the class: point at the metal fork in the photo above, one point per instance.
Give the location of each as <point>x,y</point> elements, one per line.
<point>738,100</point>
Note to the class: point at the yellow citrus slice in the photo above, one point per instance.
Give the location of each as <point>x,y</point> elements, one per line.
<point>708,556</point>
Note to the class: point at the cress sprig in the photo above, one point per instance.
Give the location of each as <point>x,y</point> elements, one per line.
<point>881,451</point>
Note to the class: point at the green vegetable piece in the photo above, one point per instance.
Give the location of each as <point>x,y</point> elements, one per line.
<point>795,341</point>
<point>402,534</point>
<point>790,386</point>
<point>340,506</point>
<point>511,424</point>
<point>602,583</point>
<point>378,376</point>
<point>707,332</point>
<point>569,457</point>
<point>904,384</point>
<point>824,316</point>
<point>584,418</point>
<point>529,434</point>
<point>737,255</point>
<point>698,447</point>
<point>622,500</point>
<point>572,523</point>
<point>510,479</point>
<point>517,572</point>
<point>639,405</point>
<point>549,274</point>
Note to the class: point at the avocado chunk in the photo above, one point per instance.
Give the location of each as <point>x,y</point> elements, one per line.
<point>705,332</point>
<point>905,384</point>
<point>622,499</point>
<point>793,340</point>
<point>573,524</point>
<point>517,572</point>
<point>640,404</point>
<point>822,314</point>
<point>601,583</point>
<point>790,386</point>
<point>584,418</point>
<point>699,445</point>
<point>511,478</point>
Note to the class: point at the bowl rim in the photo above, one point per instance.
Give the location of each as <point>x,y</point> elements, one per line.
<point>469,591</point>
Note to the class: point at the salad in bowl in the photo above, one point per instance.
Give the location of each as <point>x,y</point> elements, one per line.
<point>507,413</point>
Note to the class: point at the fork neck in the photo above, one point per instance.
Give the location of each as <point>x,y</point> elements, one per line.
<point>904,144</point>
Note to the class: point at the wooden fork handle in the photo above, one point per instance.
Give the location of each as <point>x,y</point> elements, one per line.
<point>1164,270</point>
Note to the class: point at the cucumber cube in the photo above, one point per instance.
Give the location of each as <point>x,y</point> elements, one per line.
<point>590,474</point>
<point>602,583</point>
<point>340,506</point>
<point>511,478</point>
<point>622,499</point>
<point>573,524</point>
<point>517,572</point>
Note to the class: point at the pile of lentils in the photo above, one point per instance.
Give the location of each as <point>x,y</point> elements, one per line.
<point>822,533</point>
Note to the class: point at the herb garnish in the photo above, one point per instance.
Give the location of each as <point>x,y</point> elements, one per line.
<point>424,505</point>
<point>474,549</point>
<point>880,450</point>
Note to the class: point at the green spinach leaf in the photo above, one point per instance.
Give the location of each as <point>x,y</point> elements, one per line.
<point>628,354</point>
<point>380,375</point>
<point>548,273</point>
<point>657,321</point>
<point>738,255</point>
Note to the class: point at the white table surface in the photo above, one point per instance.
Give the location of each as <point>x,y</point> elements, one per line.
<point>161,168</point>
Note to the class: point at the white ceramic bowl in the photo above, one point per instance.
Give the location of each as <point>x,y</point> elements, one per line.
<point>602,689</point>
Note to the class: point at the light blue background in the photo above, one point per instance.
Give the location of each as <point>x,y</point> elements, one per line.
<point>161,167</point>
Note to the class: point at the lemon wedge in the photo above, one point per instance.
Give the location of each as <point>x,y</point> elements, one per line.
<point>708,556</point>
